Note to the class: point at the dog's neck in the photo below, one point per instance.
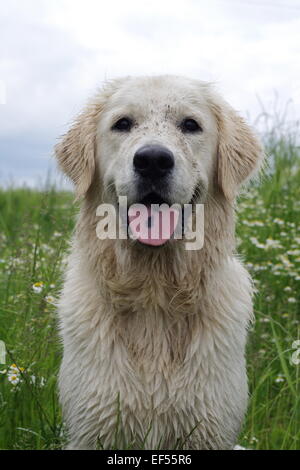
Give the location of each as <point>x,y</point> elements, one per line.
<point>149,290</point>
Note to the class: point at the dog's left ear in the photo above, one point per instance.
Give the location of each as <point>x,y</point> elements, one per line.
<point>240,153</point>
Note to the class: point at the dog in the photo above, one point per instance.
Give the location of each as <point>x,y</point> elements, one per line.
<point>154,336</point>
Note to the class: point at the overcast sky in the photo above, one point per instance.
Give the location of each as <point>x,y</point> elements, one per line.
<point>54,53</point>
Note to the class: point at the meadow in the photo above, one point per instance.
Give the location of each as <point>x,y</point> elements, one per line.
<point>35,229</point>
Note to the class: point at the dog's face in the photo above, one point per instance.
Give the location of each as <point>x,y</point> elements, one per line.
<point>157,141</point>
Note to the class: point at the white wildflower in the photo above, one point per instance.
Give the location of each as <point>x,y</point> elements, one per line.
<point>50,299</point>
<point>38,287</point>
<point>13,379</point>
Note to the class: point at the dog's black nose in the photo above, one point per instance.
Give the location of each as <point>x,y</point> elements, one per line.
<point>153,161</point>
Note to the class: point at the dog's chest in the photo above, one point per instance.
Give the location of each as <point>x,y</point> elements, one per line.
<point>153,359</point>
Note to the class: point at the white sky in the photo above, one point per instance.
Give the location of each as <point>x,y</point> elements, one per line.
<point>54,53</point>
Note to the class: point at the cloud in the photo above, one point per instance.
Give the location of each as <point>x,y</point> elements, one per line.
<point>54,54</point>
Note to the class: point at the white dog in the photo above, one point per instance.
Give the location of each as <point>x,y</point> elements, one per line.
<point>154,337</point>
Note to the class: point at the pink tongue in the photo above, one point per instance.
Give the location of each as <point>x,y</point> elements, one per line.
<point>152,227</point>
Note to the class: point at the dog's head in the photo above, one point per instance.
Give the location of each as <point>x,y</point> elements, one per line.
<point>159,139</point>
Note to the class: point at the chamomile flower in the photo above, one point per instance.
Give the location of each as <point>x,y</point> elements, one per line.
<point>14,374</point>
<point>50,299</point>
<point>257,223</point>
<point>293,252</point>
<point>38,287</point>
<point>13,379</point>
<point>14,369</point>
<point>278,221</point>
<point>270,243</point>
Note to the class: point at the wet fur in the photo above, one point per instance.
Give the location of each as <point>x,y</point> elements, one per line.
<point>156,339</point>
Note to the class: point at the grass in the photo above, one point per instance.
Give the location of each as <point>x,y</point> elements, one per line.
<point>34,231</point>
<point>35,228</point>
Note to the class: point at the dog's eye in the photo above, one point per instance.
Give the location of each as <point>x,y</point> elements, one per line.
<point>123,125</point>
<point>190,125</point>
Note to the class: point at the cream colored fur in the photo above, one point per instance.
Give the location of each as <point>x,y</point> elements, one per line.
<point>154,339</point>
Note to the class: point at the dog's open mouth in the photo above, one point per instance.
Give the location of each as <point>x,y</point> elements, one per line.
<point>152,221</point>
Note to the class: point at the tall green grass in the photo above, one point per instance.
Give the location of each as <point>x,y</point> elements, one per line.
<point>34,231</point>
<point>269,241</point>
<point>35,228</point>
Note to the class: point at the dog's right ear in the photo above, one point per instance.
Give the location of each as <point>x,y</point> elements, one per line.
<point>76,150</point>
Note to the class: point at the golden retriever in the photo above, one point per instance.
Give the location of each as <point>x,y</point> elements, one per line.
<point>154,336</point>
